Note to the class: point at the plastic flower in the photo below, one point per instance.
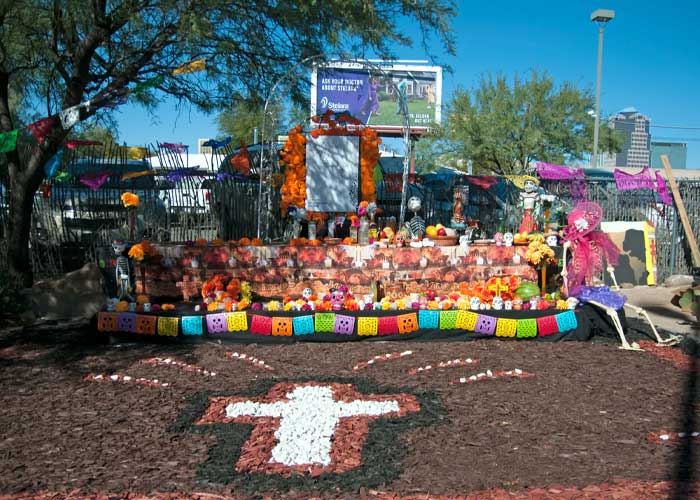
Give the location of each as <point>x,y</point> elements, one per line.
<point>130,200</point>
<point>273,305</point>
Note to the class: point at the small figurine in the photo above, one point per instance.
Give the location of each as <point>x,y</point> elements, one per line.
<point>572,302</point>
<point>529,200</point>
<point>458,199</point>
<point>123,270</point>
<point>337,300</point>
<point>499,238</point>
<point>416,225</point>
<point>474,303</point>
<point>464,240</point>
<point>508,305</point>
<point>508,239</point>
<point>497,303</point>
<point>552,239</point>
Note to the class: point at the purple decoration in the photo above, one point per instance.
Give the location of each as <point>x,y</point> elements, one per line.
<point>640,180</point>
<point>558,172</point>
<point>127,322</point>
<point>216,323</point>
<point>177,148</point>
<point>600,294</point>
<point>485,324</point>
<point>94,180</point>
<point>344,324</point>
<point>178,174</point>
<point>662,189</point>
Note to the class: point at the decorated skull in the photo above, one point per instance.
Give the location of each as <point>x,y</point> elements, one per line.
<point>414,204</point>
<point>464,240</point>
<point>572,302</point>
<point>337,300</point>
<point>552,240</point>
<point>307,293</point>
<point>474,303</point>
<point>508,305</point>
<point>508,239</point>
<point>118,247</point>
<point>497,303</point>
<point>498,238</point>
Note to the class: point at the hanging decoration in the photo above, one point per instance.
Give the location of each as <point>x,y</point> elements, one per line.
<point>94,180</point>
<point>180,173</point>
<point>75,144</point>
<point>640,180</point>
<point>575,177</point>
<point>191,67</point>
<point>40,128</point>
<point>52,165</point>
<point>8,141</point>
<point>483,181</point>
<point>69,117</point>
<point>662,190</point>
<point>214,144</point>
<point>134,175</point>
<point>63,177</point>
<point>175,148</point>
<point>148,84</point>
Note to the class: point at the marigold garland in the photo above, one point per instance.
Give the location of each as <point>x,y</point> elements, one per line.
<point>293,158</point>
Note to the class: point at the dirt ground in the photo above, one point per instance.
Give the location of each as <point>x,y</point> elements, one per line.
<point>583,418</point>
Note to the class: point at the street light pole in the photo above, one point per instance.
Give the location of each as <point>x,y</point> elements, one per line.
<point>600,16</point>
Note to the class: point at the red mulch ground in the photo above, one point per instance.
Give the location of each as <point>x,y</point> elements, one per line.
<point>581,421</point>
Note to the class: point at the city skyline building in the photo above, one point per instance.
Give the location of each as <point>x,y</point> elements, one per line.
<point>636,148</point>
<point>677,153</point>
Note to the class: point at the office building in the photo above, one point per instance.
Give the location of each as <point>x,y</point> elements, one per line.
<point>677,153</point>
<point>636,147</point>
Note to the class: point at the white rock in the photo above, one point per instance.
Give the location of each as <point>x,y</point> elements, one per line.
<point>114,377</point>
<point>127,378</point>
<point>462,380</point>
<point>664,437</point>
<point>518,371</point>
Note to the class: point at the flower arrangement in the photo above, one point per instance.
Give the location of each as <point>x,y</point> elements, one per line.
<point>539,253</point>
<point>141,252</point>
<point>293,157</point>
<point>130,200</point>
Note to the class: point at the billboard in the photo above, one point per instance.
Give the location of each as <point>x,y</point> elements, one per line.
<point>377,94</point>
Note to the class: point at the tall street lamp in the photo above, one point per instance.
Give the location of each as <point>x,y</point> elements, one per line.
<point>600,16</point>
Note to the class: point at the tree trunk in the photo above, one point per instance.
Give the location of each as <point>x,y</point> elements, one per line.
<point>23,186</point>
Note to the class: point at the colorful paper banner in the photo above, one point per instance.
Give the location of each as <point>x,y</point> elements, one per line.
<point>8,141</point>
<point>42,127</point>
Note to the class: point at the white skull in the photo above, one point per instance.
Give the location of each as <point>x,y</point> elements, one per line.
<point>464,240</point>
<point>147,307</point>
<point>572,302</point>
<point>414,204</point>
<point>551,240</point>
<point>307,293</point>
<point>508,239</point>
<point>474,304</point>
<point>530,186</point>
<point>497,303</point>
<point>118,247</point>
<point>508,305</point>
<point>534,301</point>
<point>581,224</point>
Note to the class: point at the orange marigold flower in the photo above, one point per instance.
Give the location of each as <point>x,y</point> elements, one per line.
<point>137,253</point>
<point>244,241</point>
<point>130,200</point>
<point>256,242</point>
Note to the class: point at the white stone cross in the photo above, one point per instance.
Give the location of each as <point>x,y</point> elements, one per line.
<point>308,421</point>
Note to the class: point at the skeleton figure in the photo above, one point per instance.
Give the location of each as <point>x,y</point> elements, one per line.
<point>416,225</point>
<point>123,270</point>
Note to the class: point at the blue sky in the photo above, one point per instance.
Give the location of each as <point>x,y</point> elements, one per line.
<point>651,61</point>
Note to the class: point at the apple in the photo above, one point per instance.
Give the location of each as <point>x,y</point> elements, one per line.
<point>439,226</point>
<point>442,232</point>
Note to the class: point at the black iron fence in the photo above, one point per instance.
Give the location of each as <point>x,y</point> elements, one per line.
<point>70,221</point>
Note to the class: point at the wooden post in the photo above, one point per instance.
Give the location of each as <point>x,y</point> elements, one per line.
<point>681,212</point>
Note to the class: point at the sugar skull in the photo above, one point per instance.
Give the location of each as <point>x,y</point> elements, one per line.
<point>497,303</point>
<point>337,299</point>
<point>572,302</point>
<point>517,304</point>
<point>552,240</point>
<point>464,240</point>
<point>474,304</point>
<point>498,238</point>
<point>508,305</point>
<point>508,239</point>
<point>534,301</point>
<point>307,293</point>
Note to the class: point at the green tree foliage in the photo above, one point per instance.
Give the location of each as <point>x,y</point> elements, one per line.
<point>240,120</point>
<point>504,127</point>
<point>58,54</point>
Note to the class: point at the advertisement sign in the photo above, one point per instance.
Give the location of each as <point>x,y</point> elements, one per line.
<point>379,94</point>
